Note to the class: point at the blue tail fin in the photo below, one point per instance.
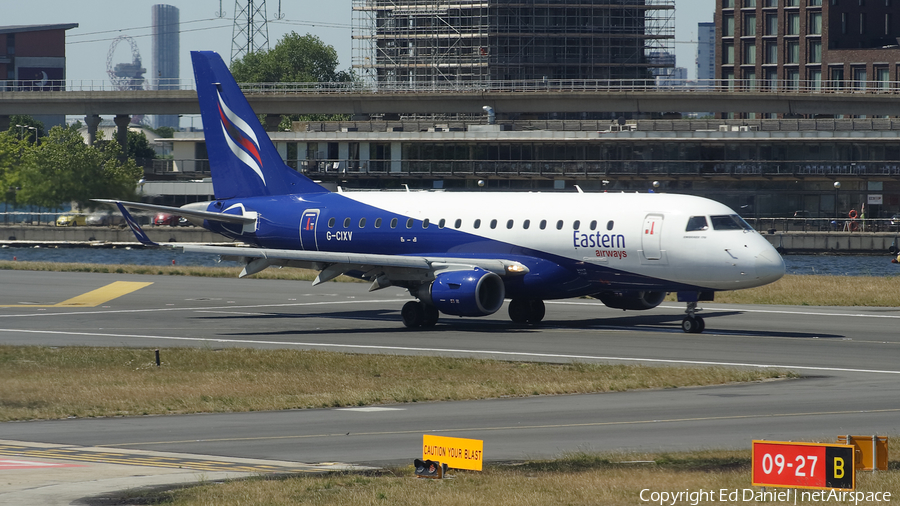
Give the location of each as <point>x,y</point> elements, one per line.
<point>242,158</point>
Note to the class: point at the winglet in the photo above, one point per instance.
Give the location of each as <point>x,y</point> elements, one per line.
<point>133,225</point>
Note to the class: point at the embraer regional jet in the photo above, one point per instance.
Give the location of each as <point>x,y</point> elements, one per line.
<point>462,253</point>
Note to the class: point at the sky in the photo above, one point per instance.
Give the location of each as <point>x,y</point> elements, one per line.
<point>99,23</point>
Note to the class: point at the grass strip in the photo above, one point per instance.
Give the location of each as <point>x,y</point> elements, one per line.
<point>51,383</point>
<point>581,479</point>
<point>791,290</point>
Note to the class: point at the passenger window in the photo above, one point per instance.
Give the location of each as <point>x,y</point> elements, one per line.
<point>543,224</point>
<point>576,225</point>
<point>331,222</point>
<point>526,224</point>
<point>457,224</point>
<point>609,225</point>
<point>425,223</point>
<point>493,224</point>
<point>377,222</point>
<point>696,223</point>
<point>346,222</point>
<point>442,223</point>
<point>362,223</point>
<point>393,222</point>
<point>409,223</point>
<point>559,225</point>
<point>477,223</point>
<point>594,225</point>
<point>509,224</point>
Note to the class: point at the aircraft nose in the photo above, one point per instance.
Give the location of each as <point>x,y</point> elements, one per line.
<point>769,266</point>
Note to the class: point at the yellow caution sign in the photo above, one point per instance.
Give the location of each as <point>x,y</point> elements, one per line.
<point>457,453</point>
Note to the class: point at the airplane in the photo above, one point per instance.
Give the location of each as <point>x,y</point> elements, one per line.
<point>461,253</point>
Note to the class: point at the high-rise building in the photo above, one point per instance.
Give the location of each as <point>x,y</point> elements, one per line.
<point>165,56</point>
<point>421,42</point>
<point>706,52</point>
<point>808,44</point>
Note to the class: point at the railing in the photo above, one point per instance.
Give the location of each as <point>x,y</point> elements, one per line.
<point>842,224</point>
<point>595,168</point>
<point>663,85</point>
<point>763,225</point>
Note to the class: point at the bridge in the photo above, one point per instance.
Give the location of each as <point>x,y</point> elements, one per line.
<point>506,97</point>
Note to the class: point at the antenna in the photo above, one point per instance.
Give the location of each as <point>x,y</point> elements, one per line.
<point>221,12</point>
<point>280,15</point>
<point>250,33</point>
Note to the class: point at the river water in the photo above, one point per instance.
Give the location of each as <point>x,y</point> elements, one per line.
<point>827,265</point>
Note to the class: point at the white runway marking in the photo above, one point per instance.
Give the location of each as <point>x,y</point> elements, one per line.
<point>371,409</point>
<point>459,351</point>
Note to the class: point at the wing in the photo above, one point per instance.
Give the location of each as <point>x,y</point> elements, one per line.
<point>384,270</point>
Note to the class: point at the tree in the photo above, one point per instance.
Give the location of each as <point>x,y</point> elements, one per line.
<point>26,127</point>
<point>11,149</point>
<point>64,169</point>
<point>139,147</point>
<point>166,132</point>
<point>294,59</point>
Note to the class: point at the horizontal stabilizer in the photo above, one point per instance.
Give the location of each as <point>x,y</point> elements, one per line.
<point>183,211</point>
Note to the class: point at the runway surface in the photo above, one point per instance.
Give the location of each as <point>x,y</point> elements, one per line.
<point>848,357</point>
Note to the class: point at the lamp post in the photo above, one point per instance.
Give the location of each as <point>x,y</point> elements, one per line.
<point>837,186</point>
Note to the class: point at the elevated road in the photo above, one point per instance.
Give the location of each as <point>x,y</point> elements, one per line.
<point>305,101</point>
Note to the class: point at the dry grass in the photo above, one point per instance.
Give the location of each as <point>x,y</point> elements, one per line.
<point>794,290</point>
<point>165,270</point>
<point>577,479</point>
<point>789,290</point>
<point>47,383</point>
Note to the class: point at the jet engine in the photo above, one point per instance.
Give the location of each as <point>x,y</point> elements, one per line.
<point>633,300</point>
<point>475,292</point>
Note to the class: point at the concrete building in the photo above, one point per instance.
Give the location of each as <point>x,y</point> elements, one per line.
<point>166,65</point>
<point>763,168</point>
<point>33,58</point>
<point>807,44</point>
<point>422,43</point>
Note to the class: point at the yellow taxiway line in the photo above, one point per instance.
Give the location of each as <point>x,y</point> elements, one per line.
<point>95,297</point>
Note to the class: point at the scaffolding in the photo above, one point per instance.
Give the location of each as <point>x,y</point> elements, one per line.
<point>428,43</point>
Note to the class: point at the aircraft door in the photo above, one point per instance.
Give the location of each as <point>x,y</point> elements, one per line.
<point>308,230</point>
<point>650,237</point>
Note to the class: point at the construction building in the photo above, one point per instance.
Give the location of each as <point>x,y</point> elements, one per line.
<point>422,43</point>
<point>842,46</point>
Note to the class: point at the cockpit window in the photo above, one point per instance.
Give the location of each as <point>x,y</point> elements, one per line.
<point>696,223</point>
<point>729,222</point>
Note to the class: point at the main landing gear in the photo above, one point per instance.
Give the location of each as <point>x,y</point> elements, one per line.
<point>416,314</point>
<point>526,310</point>
<point>692,324</point>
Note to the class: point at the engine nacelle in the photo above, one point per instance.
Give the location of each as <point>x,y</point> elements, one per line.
<point>633,300</point>
<point>475,292</point>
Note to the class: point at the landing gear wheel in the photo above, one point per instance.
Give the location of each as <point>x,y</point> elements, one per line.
<point>536,312</point>
<point>412,314</point>
<point>518,310</point>
<point>693,324</point>
<point>430,315</point>
<point>526,310</point>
